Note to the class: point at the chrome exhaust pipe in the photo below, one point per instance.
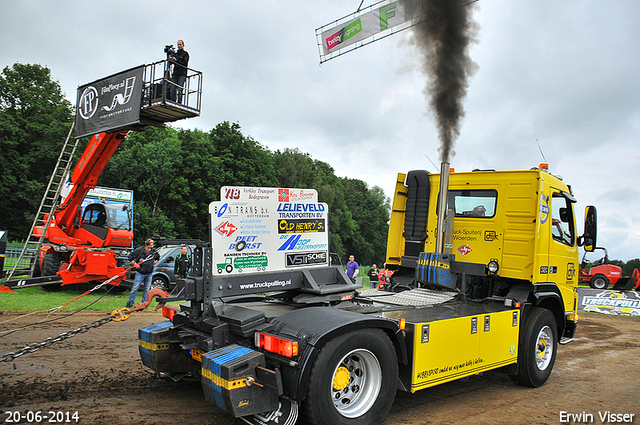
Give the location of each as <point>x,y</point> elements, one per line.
<point>442,206</point>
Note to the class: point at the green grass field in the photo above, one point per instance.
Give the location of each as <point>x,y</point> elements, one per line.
<point>37,299</point>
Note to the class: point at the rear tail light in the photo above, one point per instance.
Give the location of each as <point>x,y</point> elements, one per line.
<point>169,312</point>
<point>274,344</point>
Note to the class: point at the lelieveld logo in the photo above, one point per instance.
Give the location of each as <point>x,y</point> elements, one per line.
<point>571,271</point>
<point>544,208</point>
<point>283,195</point>
<point>88,104</point>
<point>465,249</point>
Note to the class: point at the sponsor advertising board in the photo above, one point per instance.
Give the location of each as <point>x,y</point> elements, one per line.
<point>260,229</point>
<point>624,303</point>
<point>367,25</point>
<point>109,104</point>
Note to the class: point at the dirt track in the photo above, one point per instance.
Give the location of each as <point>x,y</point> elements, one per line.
<point>99,375</point>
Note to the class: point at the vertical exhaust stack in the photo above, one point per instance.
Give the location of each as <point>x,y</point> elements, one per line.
<point>442,206</point>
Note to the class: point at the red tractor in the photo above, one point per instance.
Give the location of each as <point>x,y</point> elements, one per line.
<point>602,274</point>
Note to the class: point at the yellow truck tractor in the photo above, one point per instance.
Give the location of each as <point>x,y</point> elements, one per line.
<point>484,277</point>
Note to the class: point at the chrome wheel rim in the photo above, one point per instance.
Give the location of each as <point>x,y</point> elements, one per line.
<point>363,383</point>
<point>544,348</point>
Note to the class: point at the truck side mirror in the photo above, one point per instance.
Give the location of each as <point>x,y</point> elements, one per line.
<point>588,239</point>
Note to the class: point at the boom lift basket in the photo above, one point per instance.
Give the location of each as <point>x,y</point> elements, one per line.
<point>160,103</point>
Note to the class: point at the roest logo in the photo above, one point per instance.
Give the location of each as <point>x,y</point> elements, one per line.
<point>88,104</point>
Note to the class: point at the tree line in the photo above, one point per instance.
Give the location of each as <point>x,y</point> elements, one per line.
<point>174,173</point>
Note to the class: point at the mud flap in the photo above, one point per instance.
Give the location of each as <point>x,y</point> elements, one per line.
<point>286,414</point>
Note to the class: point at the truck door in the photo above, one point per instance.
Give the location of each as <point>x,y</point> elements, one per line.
<point>94,220</point>
<point>562,245</point>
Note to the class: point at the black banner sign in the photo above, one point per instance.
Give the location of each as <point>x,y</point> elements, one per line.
<point>306,258</point>
<point>109,104</point>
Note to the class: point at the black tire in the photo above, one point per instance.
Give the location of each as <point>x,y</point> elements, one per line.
<point>364,367</point>
<point>50,265</point>
<point>538,347</point>
<point>599,281</point>
<point>229,268</point>
<point>159,282</point>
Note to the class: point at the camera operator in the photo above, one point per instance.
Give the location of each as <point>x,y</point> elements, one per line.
<point>180,61</point>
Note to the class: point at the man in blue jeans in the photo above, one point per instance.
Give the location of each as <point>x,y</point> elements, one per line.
<point>142,260</point>
<point>180,61</point>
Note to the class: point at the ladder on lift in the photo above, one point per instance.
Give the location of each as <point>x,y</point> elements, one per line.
<point>47,207</point>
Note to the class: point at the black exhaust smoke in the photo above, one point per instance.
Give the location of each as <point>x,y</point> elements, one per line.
<point>443,39</point>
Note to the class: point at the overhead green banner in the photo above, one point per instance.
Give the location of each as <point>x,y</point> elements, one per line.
<point>366,26</point>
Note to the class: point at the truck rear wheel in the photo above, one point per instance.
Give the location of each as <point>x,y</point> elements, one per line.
<point>353,380</point>
<point>538,347</point>
<point>599,281</point>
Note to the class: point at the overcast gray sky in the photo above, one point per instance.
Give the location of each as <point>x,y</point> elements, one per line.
<point>563,73</point>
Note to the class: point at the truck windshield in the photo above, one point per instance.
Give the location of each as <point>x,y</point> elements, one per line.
<point>119,218</point>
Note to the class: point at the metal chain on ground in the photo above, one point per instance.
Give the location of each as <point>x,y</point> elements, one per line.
<point>32,348</point>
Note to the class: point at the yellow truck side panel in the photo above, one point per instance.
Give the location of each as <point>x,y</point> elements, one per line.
<point>518,235</point>
<point>449,349</point>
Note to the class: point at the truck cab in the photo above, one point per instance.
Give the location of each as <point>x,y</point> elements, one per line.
<point>108,223</point>
<point>517,228</point>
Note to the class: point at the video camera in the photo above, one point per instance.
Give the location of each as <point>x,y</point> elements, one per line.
<point>169,50</point>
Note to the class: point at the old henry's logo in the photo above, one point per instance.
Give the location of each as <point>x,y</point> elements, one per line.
<point>283,195</point>
<point>88,103</point>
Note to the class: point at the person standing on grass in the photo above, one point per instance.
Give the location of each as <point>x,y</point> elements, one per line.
<point>352,269</point>
<point>142,261</point>
<point>373,276</point>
